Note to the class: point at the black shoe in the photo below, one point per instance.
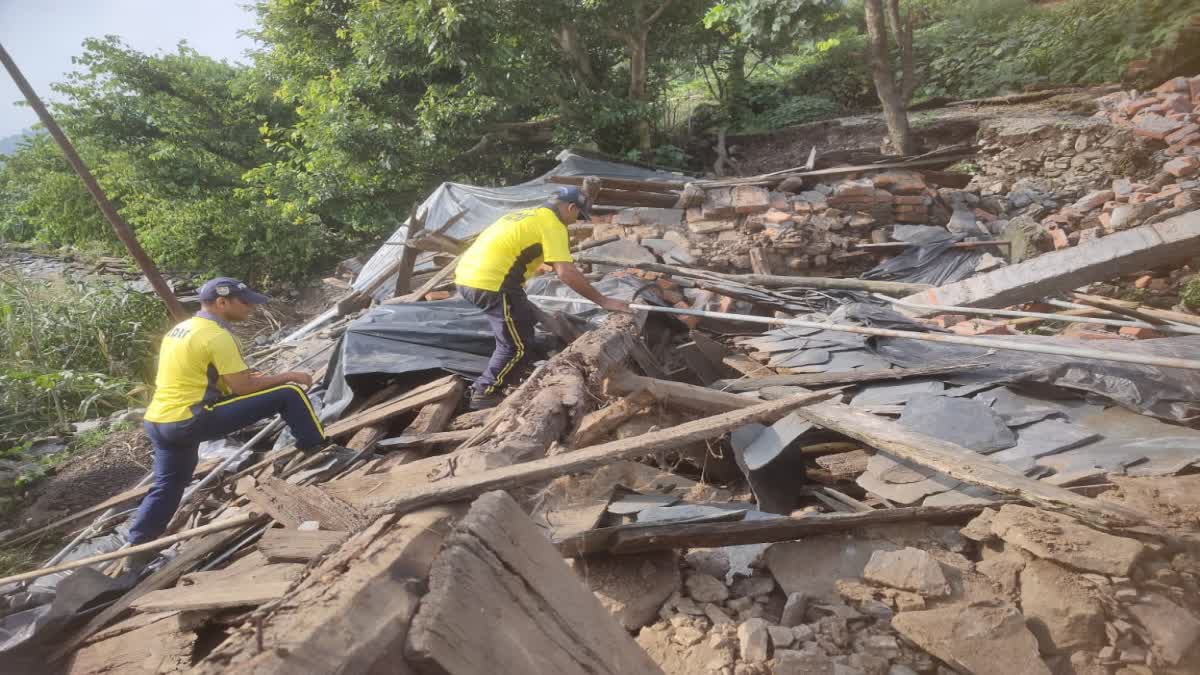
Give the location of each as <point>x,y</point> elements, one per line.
<point>482,401</point>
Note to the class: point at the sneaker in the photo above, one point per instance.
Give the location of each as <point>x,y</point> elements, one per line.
<point>482,401</point>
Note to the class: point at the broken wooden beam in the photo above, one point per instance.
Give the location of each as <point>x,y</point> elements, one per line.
<point>350,614</point>
<point>430,284</point>
<point>663,186</point>
<point>225,596</point>
<point>291,505</point>
<point>439,439</point>
<point>1145,247</point>
<point>543,408</point>
<point>895,246</point>
<point>411,400</point>
<point>598,423</point>
<point>640,538</point>
<point>461,487</point>
<point>497,568</point>
<point>898,440</point>
<point>830,379</point>
<point>279,545</point>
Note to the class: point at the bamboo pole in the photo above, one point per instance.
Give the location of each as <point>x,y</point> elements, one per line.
<point>987,343</point>
<point>119,226</point>
<point>157,544</point>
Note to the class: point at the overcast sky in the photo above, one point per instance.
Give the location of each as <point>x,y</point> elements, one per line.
<point>43,35</point>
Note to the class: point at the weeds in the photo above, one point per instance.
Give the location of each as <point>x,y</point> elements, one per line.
<point>71,351</point>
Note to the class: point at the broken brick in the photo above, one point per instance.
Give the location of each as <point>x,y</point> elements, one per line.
<point>1138,333</point>
<point>1182,166</point>
<point>776,216</point>
<point>900,182</point>
<point>1059,236</point>
<point>1183,133</point>
<point>1094,200</point>
<point>1135,106</point>
<point>751,199</point>
<point>982,327</point>
<point>437,295</point>
<point>947,320</point>
<point>1178,103</point>
<point>1155,126</point>
<point>1143,281</point>
<point>1175,85</point>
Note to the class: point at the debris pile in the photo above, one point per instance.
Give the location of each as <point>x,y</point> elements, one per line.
<point>936,467</point>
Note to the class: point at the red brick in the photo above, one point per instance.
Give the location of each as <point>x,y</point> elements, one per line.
<point>775,216</point>
<point>947,320</point>
<point>1135,106</point>
<point>1143,281</point>
<point>779,201</point>
<point>1154,126</point>
<point>1181,134</point>
<point>982,327</point>
<point>1180,103</point>
<point>1188,199</point>
<point>751,199</point>
<point>1183,166</point>
<point>1059,236</point>
<point>1175,85</point>
<point>437,295</point>
<point>900,182</point>
<point>910,200</point>
<point>1139,333</point>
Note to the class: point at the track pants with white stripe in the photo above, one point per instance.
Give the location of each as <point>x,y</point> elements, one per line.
<point>177,444</point>
<point>512,318</point>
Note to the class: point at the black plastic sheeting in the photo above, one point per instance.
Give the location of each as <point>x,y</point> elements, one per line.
<point>449,335</point>
<point>929,258</point>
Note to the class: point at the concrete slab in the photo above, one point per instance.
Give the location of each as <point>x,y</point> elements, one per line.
<point>1145,247</point>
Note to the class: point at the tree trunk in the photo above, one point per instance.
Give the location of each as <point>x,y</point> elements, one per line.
<point>638,73</point>
<point>891,97</point>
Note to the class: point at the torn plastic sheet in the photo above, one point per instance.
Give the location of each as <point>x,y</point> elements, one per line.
<point>1167,393</point>
<point>930,257</point>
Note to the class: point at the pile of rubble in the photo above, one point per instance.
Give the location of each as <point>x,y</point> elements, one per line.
<point>866,488</point>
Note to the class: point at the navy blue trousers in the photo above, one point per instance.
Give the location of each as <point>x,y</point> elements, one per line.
<point>512,318</point>
<point>177,445</point>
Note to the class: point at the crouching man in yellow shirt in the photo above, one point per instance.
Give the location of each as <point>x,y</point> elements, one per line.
<point>205,391</point>
<point>492,273</point>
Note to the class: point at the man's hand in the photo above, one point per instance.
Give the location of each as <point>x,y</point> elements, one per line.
<point>614,305</point>
<point>299,377</point>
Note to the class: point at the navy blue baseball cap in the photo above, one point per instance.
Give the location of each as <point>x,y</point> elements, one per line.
<point>228,287</point>
<point>574,195</point>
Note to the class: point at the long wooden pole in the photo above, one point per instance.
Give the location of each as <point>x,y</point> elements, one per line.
<point>110,213</point>
<point>157,544</point>
<point>987,343</point>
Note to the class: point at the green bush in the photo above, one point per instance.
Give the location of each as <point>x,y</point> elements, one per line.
<point>72,351</point>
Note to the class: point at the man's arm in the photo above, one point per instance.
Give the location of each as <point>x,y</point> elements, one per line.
<point>249,381</point>
<point>573,278</point>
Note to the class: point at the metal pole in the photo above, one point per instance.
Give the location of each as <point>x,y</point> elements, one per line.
<point>118,224</point>
<point>1166,328</point>
<point>988,343</point>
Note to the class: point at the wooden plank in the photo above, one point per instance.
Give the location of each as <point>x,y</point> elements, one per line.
<point>290,505</point>
<point>664,186</point>
<point>1031,320</point>
<point>244,593</point>
<point>434,440</point>
<point>680,395</point>
<point>433,282</point>
<point>436,416</point>
<point>598,423</point>
<point>638,538</point>
<point>351,613</point>
<point>499,570</point>
<point>164,577</point>
<point>279,545</point>
<point>428,393</point>
<point>460,487</point>
<point>263,572</point>
<point>828,379</point>
<point>154,647</point>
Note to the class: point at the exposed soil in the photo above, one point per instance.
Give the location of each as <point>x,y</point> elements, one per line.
<point>88,479</point>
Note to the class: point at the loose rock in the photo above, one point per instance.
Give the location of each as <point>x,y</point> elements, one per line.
<point>706,588</point>
<point>910,569</point>
<point>1061,538</point>
<point>982,639</point>
<point>754,640</point>
<point>1060,608</point>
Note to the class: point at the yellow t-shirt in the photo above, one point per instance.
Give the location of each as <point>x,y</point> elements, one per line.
<point>509,251</point>
<point>194,355</point>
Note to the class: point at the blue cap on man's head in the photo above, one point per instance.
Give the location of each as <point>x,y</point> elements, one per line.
<point>574,195</point>
<point>228,287</point>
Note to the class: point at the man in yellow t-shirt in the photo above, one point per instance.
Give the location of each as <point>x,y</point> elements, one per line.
<point>492,273</point>
<point>205,391</point>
